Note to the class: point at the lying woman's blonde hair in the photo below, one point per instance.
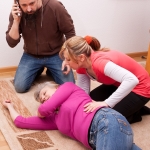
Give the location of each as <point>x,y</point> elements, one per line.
<point>50,84</point>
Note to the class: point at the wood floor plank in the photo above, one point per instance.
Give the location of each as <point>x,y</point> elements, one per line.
<point>3,143</point>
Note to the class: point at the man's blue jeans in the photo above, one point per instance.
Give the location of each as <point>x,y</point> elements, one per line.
<point>111,131</point>
<point>30,66</point>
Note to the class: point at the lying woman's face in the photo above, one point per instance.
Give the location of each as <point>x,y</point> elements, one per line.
<point>45,94</point>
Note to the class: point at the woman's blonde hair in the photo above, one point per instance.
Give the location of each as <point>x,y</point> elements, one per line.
<point>41,86</point>
<point>78,45</point>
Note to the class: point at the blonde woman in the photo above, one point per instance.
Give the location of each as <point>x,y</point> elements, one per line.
<point>62,109</point>
<point>125,83</point>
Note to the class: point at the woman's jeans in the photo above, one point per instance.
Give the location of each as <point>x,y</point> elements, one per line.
<point>30,67</point>
<point>111,131</point>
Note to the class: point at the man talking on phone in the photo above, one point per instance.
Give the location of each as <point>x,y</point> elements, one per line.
<point>44,25</point>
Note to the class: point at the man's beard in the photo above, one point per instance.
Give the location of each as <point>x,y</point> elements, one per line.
<point>30,16</point>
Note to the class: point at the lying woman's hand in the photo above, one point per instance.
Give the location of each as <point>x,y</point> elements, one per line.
<point>90,107</point>
<point>39,115</point>
<point>7,103</point>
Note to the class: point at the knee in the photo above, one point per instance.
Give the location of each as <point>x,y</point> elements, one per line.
<point>20,88</point>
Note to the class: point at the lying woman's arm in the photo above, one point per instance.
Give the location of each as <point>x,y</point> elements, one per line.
<point>33,123</point>
<point>13,113</point>
<point>63,92</point>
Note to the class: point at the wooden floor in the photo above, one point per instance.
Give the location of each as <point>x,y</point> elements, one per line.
<point>3,143</point>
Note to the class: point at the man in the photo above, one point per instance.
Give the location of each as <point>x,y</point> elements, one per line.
<point>44,26</point>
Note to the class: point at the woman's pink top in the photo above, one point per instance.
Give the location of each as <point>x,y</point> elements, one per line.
<point>71,120</point>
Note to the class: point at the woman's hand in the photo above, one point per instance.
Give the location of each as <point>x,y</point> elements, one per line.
<point>90,107</point>
<point>65,68</point>
<point>7,103</point>
<point>39,115</point>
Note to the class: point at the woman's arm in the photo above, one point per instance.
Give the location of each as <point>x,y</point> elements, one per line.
<point>57,99</point>
<point>32,122</point>
<point>83,81</point>
<point>13,113</point>
<point>127,79</point>
<point>128,82</point>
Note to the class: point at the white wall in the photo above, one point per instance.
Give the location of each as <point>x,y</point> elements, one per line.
<point>8,56</point>
<point>119,24</point>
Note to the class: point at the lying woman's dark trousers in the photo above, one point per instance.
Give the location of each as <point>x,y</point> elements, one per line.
<point>132,106</point>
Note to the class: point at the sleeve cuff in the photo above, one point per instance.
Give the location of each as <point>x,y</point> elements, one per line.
<point>11,42</point>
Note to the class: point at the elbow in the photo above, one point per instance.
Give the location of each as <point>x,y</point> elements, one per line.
<point>136,81</point>
<point>17,124</point>
<point>70,33</point>
<point>11,42</point>
<point>10,45</point>
<point>20,122</point>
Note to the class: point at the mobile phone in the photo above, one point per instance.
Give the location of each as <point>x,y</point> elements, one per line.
<point>18,4</point>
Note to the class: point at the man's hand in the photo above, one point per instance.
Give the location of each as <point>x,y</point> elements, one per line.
<point>90,107</point>
<point>65,68</point>
<point>15,10</point>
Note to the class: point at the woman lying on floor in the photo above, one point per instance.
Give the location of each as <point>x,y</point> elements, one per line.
<point>102,129</point>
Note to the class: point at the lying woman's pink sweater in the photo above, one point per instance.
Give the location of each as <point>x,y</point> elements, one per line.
<point>71,120</point>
